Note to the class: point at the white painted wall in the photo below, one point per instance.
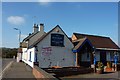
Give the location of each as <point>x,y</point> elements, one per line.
<point>26,56</point>
<point>19,57</point>
<point>59,56</point>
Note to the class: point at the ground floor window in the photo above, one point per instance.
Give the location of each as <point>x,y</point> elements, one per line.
<point>118,55</point>
<point>35,57</point>
<point>30,56</point>
<point>112,56</point>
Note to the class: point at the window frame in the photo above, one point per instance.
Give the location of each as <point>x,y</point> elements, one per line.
<point>30,56</point>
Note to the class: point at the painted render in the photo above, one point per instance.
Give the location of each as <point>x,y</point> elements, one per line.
<point>26,56</point>
<point>48,55</point>
<point>58,56</point>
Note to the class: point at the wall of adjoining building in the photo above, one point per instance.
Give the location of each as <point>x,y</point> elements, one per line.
<point>28,56</point>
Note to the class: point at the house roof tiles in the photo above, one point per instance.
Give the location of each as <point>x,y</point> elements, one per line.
<point>98,41</point>
<point>42,37</point>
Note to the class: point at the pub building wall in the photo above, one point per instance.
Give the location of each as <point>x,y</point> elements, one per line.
<point>56,56</point>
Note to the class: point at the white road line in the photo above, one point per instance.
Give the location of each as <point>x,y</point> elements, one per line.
<point>5,69</point>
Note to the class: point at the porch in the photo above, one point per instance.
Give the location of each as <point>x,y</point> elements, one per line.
<point>87,55</point>
<point>84,53</point>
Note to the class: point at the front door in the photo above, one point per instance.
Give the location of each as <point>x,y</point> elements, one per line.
<point>103,57</point>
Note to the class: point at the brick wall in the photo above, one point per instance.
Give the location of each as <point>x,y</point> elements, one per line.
<point>39,73</point>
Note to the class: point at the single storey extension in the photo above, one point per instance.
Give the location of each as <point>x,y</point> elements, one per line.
<point>87,47</point>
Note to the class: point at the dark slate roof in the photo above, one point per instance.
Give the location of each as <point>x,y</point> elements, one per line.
<point>31,35</point>
<point>98,41</point>
<point>77,44</point>
<point>40,39</point>
<point>70,39</point>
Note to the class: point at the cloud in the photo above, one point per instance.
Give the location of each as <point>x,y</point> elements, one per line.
<point>44,2</point>
<point>78,0</point>
<point>60,0</point>
<point>16,20</point>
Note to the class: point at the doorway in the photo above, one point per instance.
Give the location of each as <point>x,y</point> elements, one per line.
<point>103,57</point>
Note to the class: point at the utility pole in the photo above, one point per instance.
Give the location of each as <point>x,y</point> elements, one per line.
<point>19,35</point>
<point>19,55</point>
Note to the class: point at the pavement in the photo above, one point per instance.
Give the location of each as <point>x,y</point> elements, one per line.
<point>95,76</point>
<point>18,70</point>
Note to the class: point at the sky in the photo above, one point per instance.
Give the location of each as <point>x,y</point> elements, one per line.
<point>94,18</point>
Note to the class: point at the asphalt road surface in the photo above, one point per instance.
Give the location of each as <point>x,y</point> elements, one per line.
<point>3,64</point>
<point>6,61</point>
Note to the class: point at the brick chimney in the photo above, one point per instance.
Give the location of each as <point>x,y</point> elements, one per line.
<point>35,28</point>
<point>42,27</point>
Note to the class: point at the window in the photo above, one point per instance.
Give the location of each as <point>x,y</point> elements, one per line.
<point>30,57</point>
<point>57,40</point>
<point>35,57</point>
<point>112,56</point>
<point>88,56</point>
<point>118,56</point>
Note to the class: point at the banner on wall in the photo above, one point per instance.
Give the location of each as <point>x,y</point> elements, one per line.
<point>46,51</point>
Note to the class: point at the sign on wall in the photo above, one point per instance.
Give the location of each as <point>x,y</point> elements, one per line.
<point>46,51</point>
<point>57,40</point>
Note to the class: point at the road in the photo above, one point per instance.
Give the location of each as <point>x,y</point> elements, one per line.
<point>3,64</point>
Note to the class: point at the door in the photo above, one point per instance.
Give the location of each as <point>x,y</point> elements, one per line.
<point>103,57</point>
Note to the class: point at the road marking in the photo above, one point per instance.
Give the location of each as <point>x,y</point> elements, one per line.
<point>5,69</point>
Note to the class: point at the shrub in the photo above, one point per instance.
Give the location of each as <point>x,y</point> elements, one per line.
<point>100,65</point>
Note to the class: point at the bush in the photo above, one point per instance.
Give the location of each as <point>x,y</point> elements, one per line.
<point>9,52</point>
<point>100,65</point>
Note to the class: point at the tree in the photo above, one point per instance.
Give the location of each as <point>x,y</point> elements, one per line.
<point>9,52</point>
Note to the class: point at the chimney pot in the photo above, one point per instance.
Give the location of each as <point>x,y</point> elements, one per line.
<point>34,24</point>
<point>41,27</point>
<point>35,28</point>
<point>29,34</point>
<point>41,24</point>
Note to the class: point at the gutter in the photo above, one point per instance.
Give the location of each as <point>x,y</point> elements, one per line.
<point>108,49</point>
